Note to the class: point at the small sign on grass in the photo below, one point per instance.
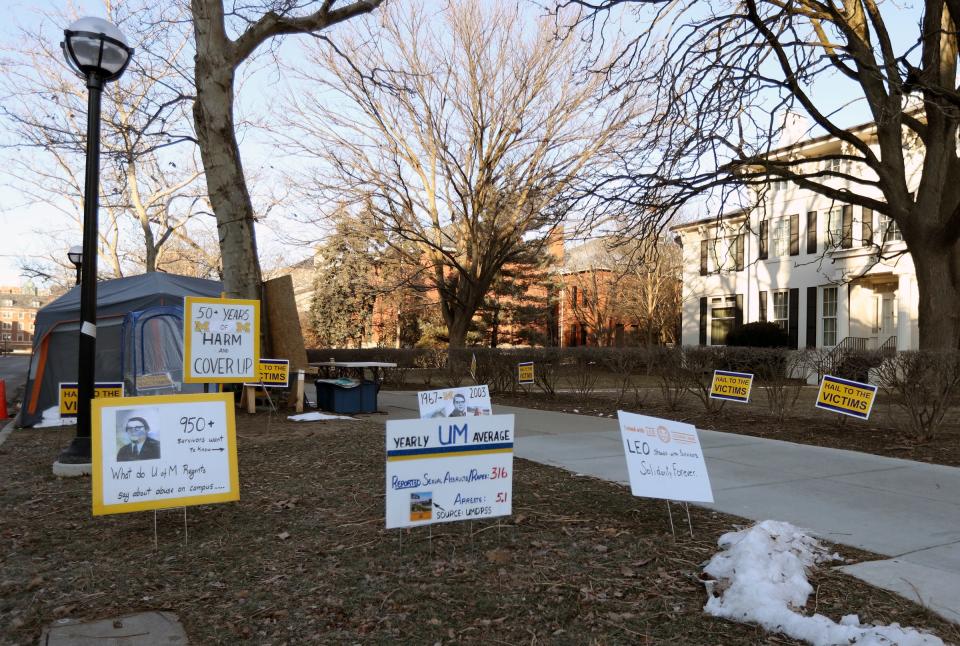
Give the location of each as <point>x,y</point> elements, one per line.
<point>448,469</point>
<point>161,452</point>
<point>846,397</point>
<point>455,402</point>
<point>731,386</point>
<point>664,459</point>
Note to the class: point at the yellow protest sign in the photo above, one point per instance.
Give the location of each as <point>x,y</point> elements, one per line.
<point>272,373</point>
<point>525,372</point>
<point>68,395</point>
<point>731,386</point>
<point>846,397</point>
<point>163,451</point>
<point>221,339</point>
<point>154,381</point>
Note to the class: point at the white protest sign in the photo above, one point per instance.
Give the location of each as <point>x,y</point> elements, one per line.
<point>221,339</point>
<point>449,469</point>
<point>455,402</point>
<point>664,459</point>
<point>161,452</point>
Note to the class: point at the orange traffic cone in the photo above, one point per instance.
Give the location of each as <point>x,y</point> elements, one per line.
<point>3,399</point>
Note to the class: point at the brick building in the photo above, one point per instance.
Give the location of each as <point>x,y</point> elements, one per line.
<point>18,311</point>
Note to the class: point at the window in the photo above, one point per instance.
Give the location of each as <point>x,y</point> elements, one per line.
<point>832,165</point>
<point>834,227</point>
<point>780,237</point>
<point>573,295</point>
<point>723,311</point>
<point>781,308</point>
<point>890,229</point>
<point>725,254</point>
<point>829,316</point>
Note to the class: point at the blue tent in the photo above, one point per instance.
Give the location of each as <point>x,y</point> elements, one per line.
<point>56,333</point>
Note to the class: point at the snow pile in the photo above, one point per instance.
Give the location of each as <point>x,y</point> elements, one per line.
<point>51,417</point>
<point>761,576</point>
<point>315,417</point>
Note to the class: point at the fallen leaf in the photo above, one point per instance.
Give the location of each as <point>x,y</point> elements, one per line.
<point>498,556</point>
<point>283,536</point>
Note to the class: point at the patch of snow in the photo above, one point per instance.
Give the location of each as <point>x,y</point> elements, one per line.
<point>51,417</point>
<point>761,576</point>
<point>315,417</point>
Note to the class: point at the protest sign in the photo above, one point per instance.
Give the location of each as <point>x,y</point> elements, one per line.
<point>68,394</point>
<point>525,372</point>
<point>161,452</point>
<point>455,402</point>
<point>448,469</point>
<point>664,459</point>
<point>154,381</point>
<point>221,340</point>
<point>272,373</point>
<point>846,397</point>
<point>731,386</point>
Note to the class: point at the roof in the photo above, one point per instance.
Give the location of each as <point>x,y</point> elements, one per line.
<point>122,295</point>
<point>724,217</point>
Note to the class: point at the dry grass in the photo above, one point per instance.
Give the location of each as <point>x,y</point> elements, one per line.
<point>304,557</point>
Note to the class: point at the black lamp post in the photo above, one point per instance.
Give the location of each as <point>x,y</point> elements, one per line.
<point>75,255</point>
<point>98,53</point>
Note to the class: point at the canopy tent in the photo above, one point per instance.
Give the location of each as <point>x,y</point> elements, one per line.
<point>56,333</point>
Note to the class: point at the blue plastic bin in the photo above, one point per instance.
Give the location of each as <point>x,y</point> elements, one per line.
<point>337,399</point>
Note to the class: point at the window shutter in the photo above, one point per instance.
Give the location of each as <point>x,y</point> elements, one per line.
<point>795,234</point>
<point>738,313</point>
<point>703,257</point>
<point>846,241</point>
<point>811,317</point>
<point>811,232</point>
<point>866,229</point>
<point>764,239</point>
<point>794,327</point>
<point>763,306</point>
<point>739,253</point>
<point>703,321</point>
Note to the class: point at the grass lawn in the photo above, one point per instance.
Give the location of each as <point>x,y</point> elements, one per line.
<point>304,556</point>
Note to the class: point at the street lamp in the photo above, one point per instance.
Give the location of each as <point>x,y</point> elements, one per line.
<point>75,255</point>
<point>98,53</point>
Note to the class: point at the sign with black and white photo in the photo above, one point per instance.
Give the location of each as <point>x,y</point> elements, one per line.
<point>161,452</point>
<point>455,402</point>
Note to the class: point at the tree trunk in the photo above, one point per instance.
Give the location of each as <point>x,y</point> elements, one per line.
<point>457,329</point>
<point>226,186</point>
<point>938,281</point>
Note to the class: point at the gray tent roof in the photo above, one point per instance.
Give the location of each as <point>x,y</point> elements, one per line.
<point>122,295</point>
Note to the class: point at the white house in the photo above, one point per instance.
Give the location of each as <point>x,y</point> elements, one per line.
<point>828,273</point>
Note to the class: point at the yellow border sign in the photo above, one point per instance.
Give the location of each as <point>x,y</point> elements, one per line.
<point>194,462</point>
<point>221,340</point>
<point>846,397</point>
<point>68,394</point>
<point>731,386</point>
<point>272,373</point>
<point>525,372</point>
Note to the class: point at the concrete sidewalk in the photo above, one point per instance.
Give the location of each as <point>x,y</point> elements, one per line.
<point>908,511</point>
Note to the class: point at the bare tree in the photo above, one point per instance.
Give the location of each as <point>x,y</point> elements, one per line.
<point>653,293</point>
<point>466,145</point>
<point>149,178</point>
<point>613,281</point>
<point>729,73</point>
<point>217,57</point>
